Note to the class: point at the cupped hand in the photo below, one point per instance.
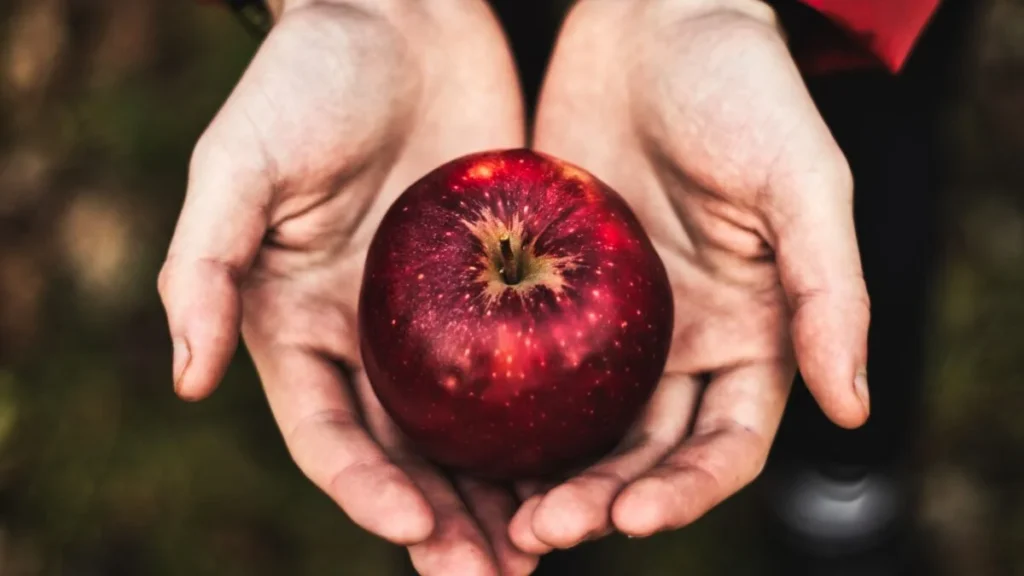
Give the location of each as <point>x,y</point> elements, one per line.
<point>696,113</point>
<point>342,107</point>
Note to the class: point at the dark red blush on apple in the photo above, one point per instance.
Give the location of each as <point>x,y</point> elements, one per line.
<point>514,317</point>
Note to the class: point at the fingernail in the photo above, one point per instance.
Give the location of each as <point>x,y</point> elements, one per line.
<point>181,359</point>
<point>860,386</point>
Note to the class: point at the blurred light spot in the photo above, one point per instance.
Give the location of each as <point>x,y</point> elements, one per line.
<point>954,503</point>
<point>37,39</point>
<point>23,175</point>
<point>21,296</point>
<point>995,231</point>
<point>96,235</point>
<point>127,41</point>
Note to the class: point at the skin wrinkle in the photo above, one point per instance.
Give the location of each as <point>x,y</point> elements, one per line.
<point>326,417</point>
<point>333,217</point>
<point>717,250</point>
<point>332,337</point>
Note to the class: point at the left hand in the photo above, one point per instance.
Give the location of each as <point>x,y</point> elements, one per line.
<point>695,112</point>
<point>346,103</point>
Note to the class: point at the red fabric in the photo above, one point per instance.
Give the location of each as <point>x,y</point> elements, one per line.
<point>885,30</point>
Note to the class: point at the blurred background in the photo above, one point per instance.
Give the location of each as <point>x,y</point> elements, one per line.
<point>104,472</point>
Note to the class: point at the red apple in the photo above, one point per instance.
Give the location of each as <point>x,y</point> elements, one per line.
<point>514,317</point>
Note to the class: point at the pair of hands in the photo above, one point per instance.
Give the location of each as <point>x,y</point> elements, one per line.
<point>692,109</point>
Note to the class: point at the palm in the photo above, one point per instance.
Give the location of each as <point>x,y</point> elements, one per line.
<point>709,135</point>
<point>338,157</point>
<point>695,122</point>
<point>306,116</point>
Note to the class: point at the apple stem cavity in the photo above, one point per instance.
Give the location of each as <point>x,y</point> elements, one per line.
<point>509,266</point>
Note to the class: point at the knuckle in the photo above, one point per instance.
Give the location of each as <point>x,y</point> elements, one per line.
<point>687,489</point>
<point>205,147</point>
<point>224,148</point>
<point>164,280</point>
<point>733,456</point>
<point>840,172</point>
<point>709,465</point>
<point>315,422</point>
<point>757,466</point>
<point>338,482</point>
<point>756,447</point>
<point>862,298</point>
<point>375,471</point>
<point>304,441</point>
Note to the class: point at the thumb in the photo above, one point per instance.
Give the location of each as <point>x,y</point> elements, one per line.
<point>217,237</point>
<point>811,218</point>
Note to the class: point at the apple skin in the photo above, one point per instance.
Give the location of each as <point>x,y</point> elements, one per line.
<point>513,381</point>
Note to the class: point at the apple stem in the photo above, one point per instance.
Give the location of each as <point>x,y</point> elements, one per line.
<point>509,269</point>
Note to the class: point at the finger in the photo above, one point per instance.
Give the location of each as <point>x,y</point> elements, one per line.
<point>218,234</point>
<point>811,218</point>
<point>457,544</point>
<point>492,507</point>
<point>580,508</point>
<point>322,429</point>
<point>739,415</point>
<point>526,539</point>
<point>520,528</point>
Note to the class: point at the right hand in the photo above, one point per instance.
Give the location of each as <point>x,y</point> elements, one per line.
<point>342,108</point>
<point>696,113</point>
